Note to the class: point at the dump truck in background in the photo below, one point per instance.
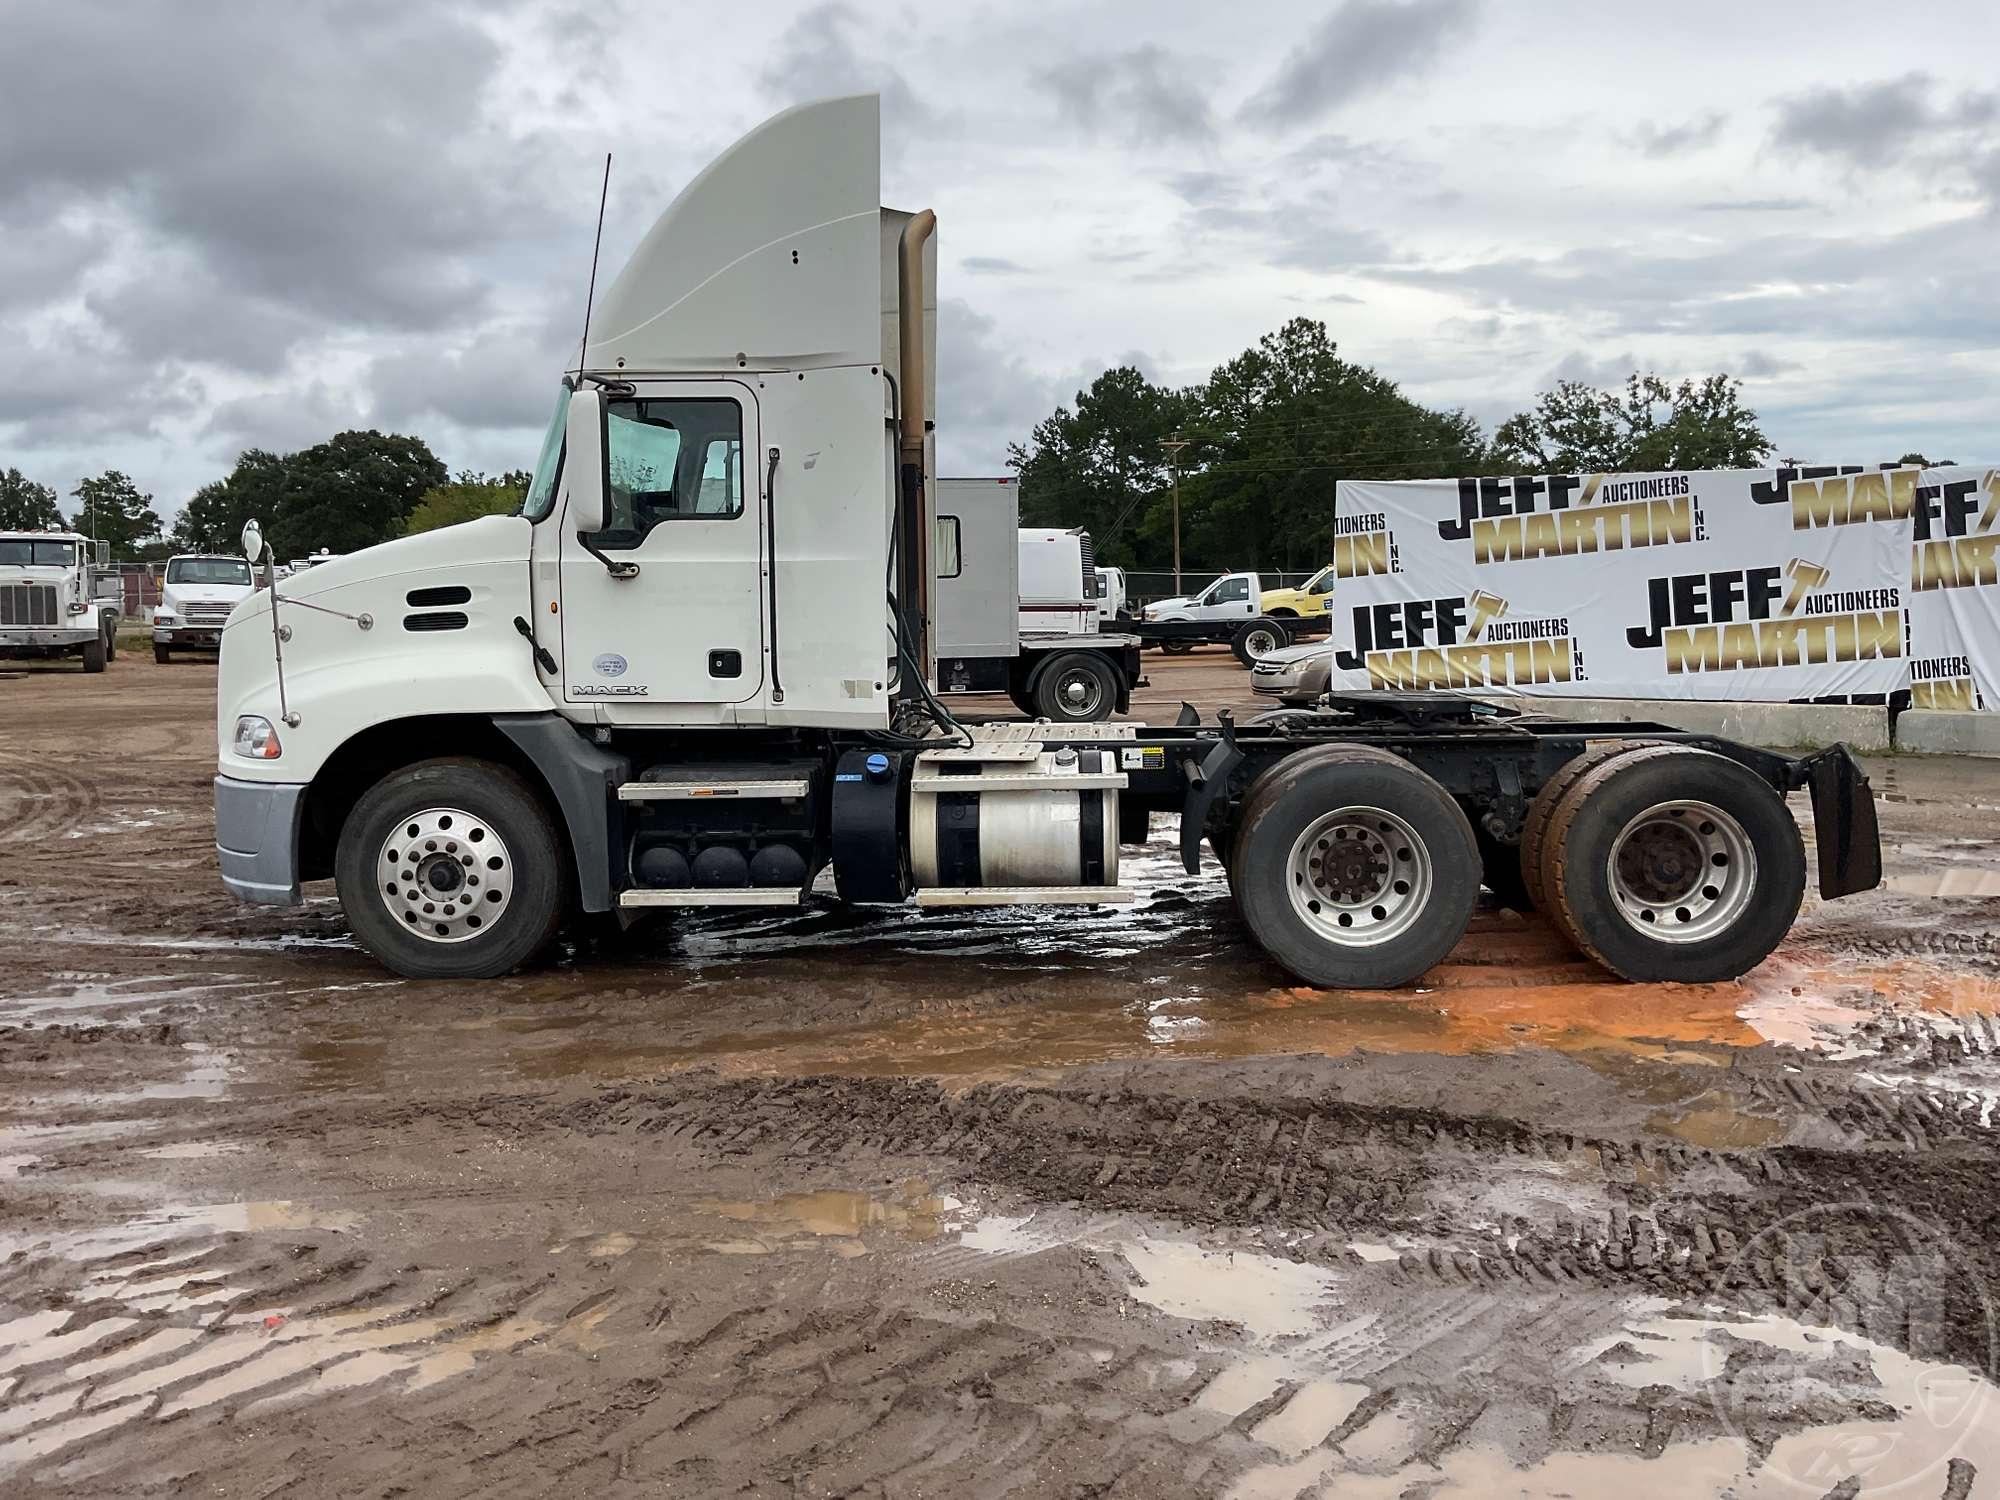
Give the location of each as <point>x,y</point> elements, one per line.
<point>58,598</point>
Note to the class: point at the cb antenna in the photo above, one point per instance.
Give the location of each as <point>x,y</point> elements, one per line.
<point>590,296</point>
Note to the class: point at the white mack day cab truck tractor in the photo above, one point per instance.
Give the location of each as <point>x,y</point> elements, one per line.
<point>696,670</point>
<point>56,599</point>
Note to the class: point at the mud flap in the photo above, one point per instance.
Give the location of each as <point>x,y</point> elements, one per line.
<point>1844,827</point>
<point>1206,781</point>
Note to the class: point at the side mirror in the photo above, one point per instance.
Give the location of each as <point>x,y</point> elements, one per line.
<point>104,554</point>
<point>583,461</point>
<point>253,540</point>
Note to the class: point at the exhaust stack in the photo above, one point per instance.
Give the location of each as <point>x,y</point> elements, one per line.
<point>913,583</point>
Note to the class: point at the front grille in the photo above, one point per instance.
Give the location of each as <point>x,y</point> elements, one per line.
<point>28,604</point>
<point>208,614</point>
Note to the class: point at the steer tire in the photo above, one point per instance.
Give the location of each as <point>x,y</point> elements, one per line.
<point>492,797</point>
<point>1534,843</point>
<point>1286,914</point>
<point>1750,897</point>
<point>110,641</point>
<point>93,655</point>
<point>1258,638</point>
<point>1096,689</point>
<point>161,654</point>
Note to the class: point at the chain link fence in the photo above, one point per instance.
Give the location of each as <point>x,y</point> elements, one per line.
<point>1143,587</point>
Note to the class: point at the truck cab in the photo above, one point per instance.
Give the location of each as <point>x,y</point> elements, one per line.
<point>1111,594</point>
<point>1309,601</point>
<point>57,598</point>
<point>1234,596</point>
<point>197,593</point>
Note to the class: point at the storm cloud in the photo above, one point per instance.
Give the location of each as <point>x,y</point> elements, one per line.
<point>225,225</point>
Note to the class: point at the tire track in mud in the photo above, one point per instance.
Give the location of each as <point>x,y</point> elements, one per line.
<point>38,802</point>
<point>1642,1215</point>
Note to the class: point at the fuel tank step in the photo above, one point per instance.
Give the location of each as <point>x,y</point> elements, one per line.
<point>711,896</point>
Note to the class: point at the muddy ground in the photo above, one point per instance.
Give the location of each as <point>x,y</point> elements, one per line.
<point>1041,1203</point>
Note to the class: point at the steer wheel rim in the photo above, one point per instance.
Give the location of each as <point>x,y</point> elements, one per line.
<point>445,875</point>
<point>1682,872</point>
<point>1359,876</point>
<point>1079,692</point>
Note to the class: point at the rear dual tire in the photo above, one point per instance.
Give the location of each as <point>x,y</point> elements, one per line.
<point>1668,864</point>
<point>1353,868</point>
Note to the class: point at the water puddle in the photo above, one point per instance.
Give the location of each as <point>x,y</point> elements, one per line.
<point>1716,1123</point>
<point>1271,1298</point>
<point>1951,881</point>
<point>909,1212</point>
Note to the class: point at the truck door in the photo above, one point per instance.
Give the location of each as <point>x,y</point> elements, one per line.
<point>685,504</point>
<point>1227,599</point>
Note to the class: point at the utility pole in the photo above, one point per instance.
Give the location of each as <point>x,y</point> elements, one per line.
<point>1173,445</point>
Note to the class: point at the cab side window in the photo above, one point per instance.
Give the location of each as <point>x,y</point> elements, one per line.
<point>669,460</point>
<point>1233,591</point>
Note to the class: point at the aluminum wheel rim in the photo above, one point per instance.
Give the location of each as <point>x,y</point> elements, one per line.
<point>1260,643</point>
<point>445,875</point>
<point>1359,876</point>
<point>1682,872</point>
<point>1079,692</point>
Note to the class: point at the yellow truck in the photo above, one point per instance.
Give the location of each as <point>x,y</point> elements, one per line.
<point>1309,602</point>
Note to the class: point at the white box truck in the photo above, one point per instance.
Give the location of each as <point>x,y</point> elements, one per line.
<point>197,592</point>
<point>1017,612</point>
<point>698,669</point>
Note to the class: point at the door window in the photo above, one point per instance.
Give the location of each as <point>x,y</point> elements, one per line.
<point>671,460</point>
<point>1232,591</point>
<point>1324,583</point>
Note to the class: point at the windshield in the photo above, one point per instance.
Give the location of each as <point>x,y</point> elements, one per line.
<point>22,553</point>
<point>541,497</point>
<point>209,570</point>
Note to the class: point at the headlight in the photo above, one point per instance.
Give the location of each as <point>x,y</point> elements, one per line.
<point>163,617</point>
<point>77,606</point>
<point>256,739</point>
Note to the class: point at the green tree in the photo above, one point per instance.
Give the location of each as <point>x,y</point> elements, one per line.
<point>1651,425</point>
<point>27,506</point>
<point>111,509</point>
<point>1927,463</point>
<point>1278,426</point>
<point>212,520</point>
<point>467,498</point>
<point>1098,466</point>
<point>351,491</point>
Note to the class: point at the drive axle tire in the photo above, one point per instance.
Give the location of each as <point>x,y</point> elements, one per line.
<point>1675,865</point>
<point>93,655</point>
<point>1353,868</point>
<point>1075,688</point>
<point>451,869</point>
<point>1177,648</point>
<point>1258,639</point>
<point>1534,844</point>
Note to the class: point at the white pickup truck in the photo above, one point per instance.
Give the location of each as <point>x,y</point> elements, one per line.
<point>1228,612</point>
<point>56,599</point>
<point>196,596</point>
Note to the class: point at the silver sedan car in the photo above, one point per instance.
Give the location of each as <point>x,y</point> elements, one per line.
<point>1295,676</point>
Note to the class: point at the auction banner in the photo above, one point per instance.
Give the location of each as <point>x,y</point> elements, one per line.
<point>1752,585</point>
<point>1954,603</point>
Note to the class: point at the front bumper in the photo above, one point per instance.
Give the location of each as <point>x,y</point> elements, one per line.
<point>257,839</point>
<point>47,635</point>
<point>208,637</point>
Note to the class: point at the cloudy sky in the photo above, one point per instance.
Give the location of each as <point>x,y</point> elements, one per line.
<point>236,224</point>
